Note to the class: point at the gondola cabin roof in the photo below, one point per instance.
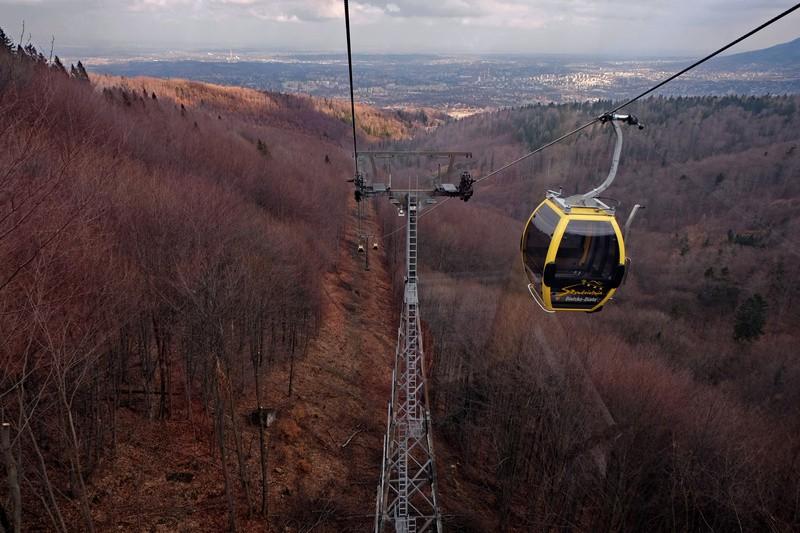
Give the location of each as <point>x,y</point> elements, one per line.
<point>575,205</point>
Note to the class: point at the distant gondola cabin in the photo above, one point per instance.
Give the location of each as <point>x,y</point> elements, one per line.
<point>573,255</point>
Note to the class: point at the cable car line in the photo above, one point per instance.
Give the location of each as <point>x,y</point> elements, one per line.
<point>580,128</point>
<point>645,93</point>
<point>602,118</point>
<point>572,248</point>
<point>350,69</point>
<point>361,246</point>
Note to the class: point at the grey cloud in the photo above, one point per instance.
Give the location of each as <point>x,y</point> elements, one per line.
<point>571,26</point>
<point>284,10</point>
<point>425,8</point>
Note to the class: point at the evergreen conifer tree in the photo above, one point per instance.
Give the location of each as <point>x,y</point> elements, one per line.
<point>6,45</point>
<point>58,66</point>
<point>82,74</point>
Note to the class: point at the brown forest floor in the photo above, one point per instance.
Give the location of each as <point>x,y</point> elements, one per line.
<point>341,388</point>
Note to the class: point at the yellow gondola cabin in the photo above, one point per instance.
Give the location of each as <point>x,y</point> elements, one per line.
<point>574,257</point>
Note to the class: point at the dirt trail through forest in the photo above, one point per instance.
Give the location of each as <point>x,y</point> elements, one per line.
<point>325,445</point>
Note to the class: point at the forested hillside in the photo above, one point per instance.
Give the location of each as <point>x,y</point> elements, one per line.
<point>676,408</point>
<point>163,246</point>
<point>188,341</point>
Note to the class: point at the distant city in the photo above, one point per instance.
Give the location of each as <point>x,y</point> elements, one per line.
<point>462,85</point>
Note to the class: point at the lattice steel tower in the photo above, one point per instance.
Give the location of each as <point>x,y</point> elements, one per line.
<point>406,501</point>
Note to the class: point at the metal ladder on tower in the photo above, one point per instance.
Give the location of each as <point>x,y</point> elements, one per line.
<point>412,325</point>
<point>407,492</point>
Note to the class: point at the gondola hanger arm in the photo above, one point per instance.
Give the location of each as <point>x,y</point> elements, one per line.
<point>615,119</point>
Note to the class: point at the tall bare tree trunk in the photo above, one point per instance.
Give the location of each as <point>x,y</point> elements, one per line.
<point>291,361</point>
<point>219,422</point>
<point>257,330</point>
<point>47,483</point>
<point>147,370</point>
<point>75,459</point>
<point>55,513</point>
<point>11,469</point>
<point>244,476</point>
<point>262,415</point>
<point>165,378</point>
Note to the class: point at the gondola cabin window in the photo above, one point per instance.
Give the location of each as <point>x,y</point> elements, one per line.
<point>588,250</point>
<point>537,239</point>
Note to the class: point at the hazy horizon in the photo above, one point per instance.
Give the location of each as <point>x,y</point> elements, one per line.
<point>619,28</point>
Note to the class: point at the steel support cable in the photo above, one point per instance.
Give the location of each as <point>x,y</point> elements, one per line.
<point>359,208</point>
<point>627,103</point>
<point>543,147</point>
<point>350,69</point>
<point>699,62</point>
<point>597,119</point>
<point>645,93</point>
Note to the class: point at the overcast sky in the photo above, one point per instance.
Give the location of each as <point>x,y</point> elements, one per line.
<point>618,27</point>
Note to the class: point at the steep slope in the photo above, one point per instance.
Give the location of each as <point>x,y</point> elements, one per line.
<point>324,445</point>
<point>166,246</point>
<point>694,359</point>
<point>175,254</point>
<point>289,112</point>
